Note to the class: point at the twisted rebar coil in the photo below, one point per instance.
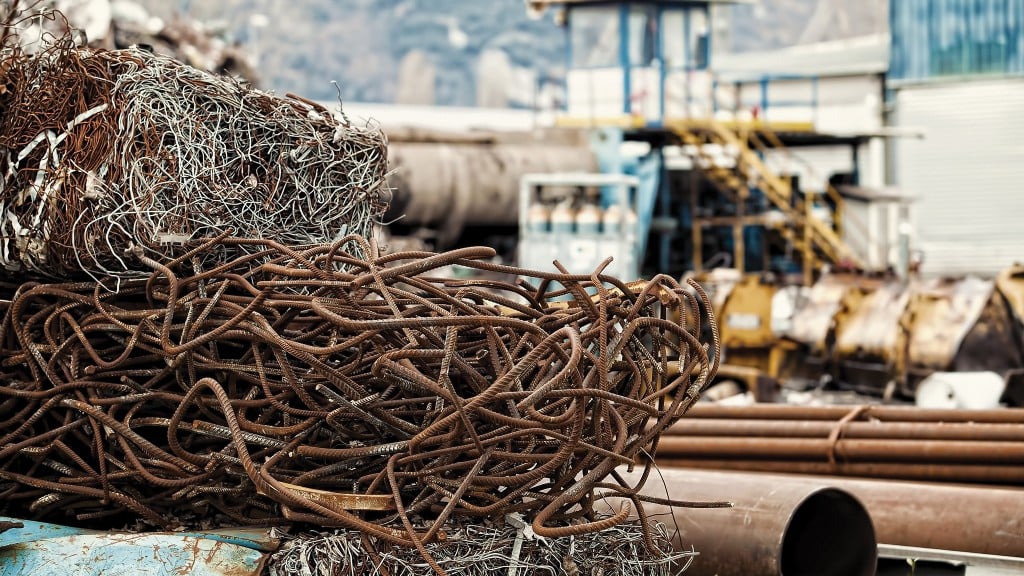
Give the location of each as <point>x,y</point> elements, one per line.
<point>358,391</point>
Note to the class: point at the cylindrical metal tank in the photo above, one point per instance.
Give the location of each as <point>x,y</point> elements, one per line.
<point>451,185</point>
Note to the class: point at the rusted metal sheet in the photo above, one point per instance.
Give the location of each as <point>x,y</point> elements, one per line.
<point>35,548</point>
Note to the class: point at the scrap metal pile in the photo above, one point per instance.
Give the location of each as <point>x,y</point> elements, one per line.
<point>197,333</point>
<point>331,379</point>
<point>487,549</point>
<point>103,152</point>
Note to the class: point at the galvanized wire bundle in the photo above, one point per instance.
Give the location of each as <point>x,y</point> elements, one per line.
<point>105,151</point>
<point>482,550</point>
<point>237,392</point>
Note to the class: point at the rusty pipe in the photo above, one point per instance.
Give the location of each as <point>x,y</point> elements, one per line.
<point>865,430</point>
<point>874,412</point>
<point>974,473</point>
<point>843,450</point>
<point>791,529</point>
<point>982,520</point>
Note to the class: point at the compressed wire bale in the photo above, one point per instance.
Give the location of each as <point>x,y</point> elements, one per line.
<point>106,155</point>
<point>481,549</point>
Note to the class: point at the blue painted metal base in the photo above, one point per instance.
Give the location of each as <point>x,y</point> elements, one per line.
<point>40,549</point>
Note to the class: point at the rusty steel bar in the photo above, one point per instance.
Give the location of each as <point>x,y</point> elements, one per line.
<point>802,529</point>
<point>973,473</point>
<point>304,385</point>
<point>843,450</point>
<point>968,519</point>
<point>874,412</point>
<point>822,429</point>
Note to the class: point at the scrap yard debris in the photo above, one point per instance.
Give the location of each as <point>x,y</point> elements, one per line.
<point>197,332</point>
<point>103,152</point>
<point>124,23</point>
<point>338,387</point>
<point>480,549</point>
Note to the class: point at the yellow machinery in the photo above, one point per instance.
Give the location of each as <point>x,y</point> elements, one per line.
<point>878,336</point>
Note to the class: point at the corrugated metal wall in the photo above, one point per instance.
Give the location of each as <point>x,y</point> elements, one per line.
<point>944,38</point>
<point>967,173</point>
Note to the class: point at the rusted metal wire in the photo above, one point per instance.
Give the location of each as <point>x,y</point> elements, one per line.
<point>287,384</point>
<point>487,550</point>
<point>110,155</point>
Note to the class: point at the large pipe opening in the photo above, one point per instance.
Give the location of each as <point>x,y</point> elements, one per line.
<point>829,533</point>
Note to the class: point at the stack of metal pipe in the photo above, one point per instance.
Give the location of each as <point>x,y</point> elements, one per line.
<point>895,442</point>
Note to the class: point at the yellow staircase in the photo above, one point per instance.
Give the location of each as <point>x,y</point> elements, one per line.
<point>817,240</point>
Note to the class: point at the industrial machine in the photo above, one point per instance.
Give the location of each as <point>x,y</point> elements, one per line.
<point>647,114</point>
<point>876,335</point>
<point>643,68</point>
<point>580,219</point>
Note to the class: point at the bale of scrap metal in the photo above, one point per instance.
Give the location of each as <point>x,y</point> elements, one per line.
<point>498,547</point>
<point>335,386</point>
<point>106,155</point>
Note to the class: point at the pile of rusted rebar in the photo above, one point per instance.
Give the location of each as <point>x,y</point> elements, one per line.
<point>343,388</point>
<point>103,152</point>
<point>871,441</point>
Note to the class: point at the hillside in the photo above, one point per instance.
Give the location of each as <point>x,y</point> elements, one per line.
<point>361,43</point>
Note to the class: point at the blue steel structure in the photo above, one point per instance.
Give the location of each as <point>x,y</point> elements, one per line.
<point>955,39</point>
<point>643,67</point>
<point>40,549</point>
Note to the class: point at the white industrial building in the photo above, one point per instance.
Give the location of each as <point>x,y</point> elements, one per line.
<point>946,89</point>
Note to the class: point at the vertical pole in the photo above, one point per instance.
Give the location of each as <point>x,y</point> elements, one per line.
<point>568,61</point>
<point>627,76</point>
<point>764,98</point>
<point>808,247</point>
<point>738,241</point>
<point>697,221</point>
<point>659,43</point>
<point>814,101</point>
<point>738,252</point>
<point>855,160</point>
<point>665,239</point>
<point>688,59</point>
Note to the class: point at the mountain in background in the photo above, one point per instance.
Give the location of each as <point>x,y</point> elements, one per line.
<point>302,45</point>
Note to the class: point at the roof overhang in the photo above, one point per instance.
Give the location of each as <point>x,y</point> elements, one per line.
<point>541,4</point>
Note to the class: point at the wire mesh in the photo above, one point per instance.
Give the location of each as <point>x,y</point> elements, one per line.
<point>106,151</point>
